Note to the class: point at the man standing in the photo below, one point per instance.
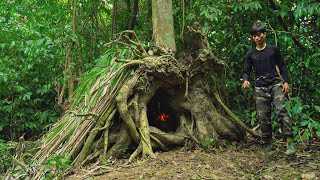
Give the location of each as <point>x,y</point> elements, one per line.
<point>271,87</point>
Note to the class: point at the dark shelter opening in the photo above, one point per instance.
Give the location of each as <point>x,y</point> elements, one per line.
<point>160,114</point>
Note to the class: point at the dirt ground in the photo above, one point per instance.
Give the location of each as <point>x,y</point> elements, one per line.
<point>236,161</point>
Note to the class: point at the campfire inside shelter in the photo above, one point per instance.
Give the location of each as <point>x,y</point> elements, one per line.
<point>160,114</point>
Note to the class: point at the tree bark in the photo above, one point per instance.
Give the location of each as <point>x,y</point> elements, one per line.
<point>134,13</point>
<point>162,21</point>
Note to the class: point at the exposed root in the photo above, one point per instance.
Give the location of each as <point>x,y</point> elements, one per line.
<point>135,107</point>
<point>88,144</point>
<point>187,128</point>
<point>145,134</point>
<point>121,145</point>
<point>92,156</point>
<point>144,124</point>
<point>106,137</point>
<point>135,153</point>
<point>187,87</point>
<point>122,103</point>
<point>158,142</point>
<point>177,138</point>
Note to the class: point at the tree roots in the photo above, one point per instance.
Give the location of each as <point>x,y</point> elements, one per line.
<point>186,89</point>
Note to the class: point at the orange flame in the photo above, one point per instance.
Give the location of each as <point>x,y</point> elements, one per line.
<point>163,117</point>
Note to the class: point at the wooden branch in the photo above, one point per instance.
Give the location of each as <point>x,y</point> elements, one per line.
<point>83,114</point>
<point>237,120</point>
<point>138,45</point>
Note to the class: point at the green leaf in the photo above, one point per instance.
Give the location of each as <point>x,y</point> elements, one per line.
<point>317,108</point>
<point>298,12</point>
<point>74,38</point>
<point>306,135</point>
<point>7,108</point>
<point>310,125</point>
<point>4,77</point>
<point>246,6</point>
<point>282,13</point>
<point>27,96</point>
<point>3,45</point>
<point>297,108</point>
<point>40,42</point>
<point>318,130</point>
<point>211,141</point>
<point>295,130</point>
<point>308,62</point>
<point>19,88</point>
<point>13,43</point>
<point>257,5</point>
<point>304,123</point>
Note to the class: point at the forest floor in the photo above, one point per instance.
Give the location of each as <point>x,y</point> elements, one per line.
<point>237,161</point>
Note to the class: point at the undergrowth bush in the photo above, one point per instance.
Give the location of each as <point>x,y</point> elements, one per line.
<point>5,155</point>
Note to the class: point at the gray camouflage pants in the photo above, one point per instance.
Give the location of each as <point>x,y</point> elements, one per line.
<point>265,98</point>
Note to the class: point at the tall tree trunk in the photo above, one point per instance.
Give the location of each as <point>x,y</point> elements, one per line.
<point>71,45</point>
<point>162,22</point>
<point>134,12</point>
<point>68,67</point>
<point>114,18</point>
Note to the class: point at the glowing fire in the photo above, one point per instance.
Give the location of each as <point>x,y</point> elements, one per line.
<point>163,117</point>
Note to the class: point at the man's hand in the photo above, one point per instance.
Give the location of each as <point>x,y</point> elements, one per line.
<point>285,88</point>
<point>245,84</point>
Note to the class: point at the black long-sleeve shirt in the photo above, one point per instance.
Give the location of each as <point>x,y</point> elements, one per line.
<point>264,64</point>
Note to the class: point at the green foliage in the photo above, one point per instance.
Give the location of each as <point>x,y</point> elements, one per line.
<point>55,166</point>
<point>304,117</point>
<point>33,42</point>
<point>29,61</point>
<point>92,78</point>
<point>251,117</point>
<point>5,158</point>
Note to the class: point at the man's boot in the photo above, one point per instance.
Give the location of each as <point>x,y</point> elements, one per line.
<point>291,147</point>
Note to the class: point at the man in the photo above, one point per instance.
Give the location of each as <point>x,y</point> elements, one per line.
<point>271,87</point>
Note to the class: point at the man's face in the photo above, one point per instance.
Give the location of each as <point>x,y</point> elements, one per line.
<point>258,38</point>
